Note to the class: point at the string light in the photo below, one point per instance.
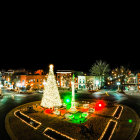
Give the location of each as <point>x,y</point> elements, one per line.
<point>51,97</point>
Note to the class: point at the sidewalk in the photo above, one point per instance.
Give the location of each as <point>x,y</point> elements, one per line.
<point>134,93</point>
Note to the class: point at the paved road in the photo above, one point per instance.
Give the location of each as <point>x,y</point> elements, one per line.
<point>128,100</point>
<point>11,100</point>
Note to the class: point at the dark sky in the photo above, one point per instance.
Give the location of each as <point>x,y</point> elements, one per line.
<point>69,42</point>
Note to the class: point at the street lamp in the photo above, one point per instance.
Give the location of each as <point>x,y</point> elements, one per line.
<point>97,84</point>
<point>118,84</point>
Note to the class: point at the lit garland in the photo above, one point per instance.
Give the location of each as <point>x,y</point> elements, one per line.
<point>117,110</point>
<point>107,128</point>
<point>48,128</point>
<point>27,117</point>
<point>51,97</point>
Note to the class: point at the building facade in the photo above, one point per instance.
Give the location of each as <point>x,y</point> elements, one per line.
<point>64,78</point>
<point>23,79</point>
<point>89,82</point>
<point>131,82</point>
<point>138,80</point>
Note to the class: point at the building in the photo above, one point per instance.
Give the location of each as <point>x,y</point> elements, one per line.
<point>131,82</point>
<point>35,81</point>
<point>138,80</point>
<point>89,82</point>
<point>81,82</point>
<point>64,78</point>
<point>24,79</point>
<point>30,81</point>
<point>0,79</point>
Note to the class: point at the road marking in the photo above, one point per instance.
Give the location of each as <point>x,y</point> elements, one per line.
<point>107,94</point>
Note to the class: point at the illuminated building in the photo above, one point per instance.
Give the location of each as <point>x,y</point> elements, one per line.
<point>138,80</point>
<point>64,78</point>
<point>35,81</point>
<point>89,82</point>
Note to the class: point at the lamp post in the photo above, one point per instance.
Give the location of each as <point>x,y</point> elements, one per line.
<point>118,84</point>
<point>97,84</point>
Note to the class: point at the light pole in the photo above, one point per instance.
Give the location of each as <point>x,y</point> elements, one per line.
<point>118,84</point>
<point>97,84</point>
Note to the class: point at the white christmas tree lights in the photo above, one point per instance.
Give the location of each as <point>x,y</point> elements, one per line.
<point>51,97</point>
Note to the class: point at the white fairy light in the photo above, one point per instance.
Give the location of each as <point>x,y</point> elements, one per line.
<point>51,97</point>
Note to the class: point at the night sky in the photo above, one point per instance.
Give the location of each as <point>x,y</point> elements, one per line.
<point>69,42</point>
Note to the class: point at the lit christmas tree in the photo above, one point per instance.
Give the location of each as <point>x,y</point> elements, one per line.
<point>51,97</point>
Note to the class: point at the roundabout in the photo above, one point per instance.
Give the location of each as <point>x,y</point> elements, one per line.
<point>33,120</point>
<point>56,118</point>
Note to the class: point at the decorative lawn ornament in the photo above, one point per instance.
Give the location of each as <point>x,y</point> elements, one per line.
<point>57,112</point>
<point>91,110</point>
<point>84,114</point>
<point>85,106</point>
<point>63,111</point>
<point>48,111</point>
<point>130,121</point>
<point>68,116</point>
<point>99,105</point>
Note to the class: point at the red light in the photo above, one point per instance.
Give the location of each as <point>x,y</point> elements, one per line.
<point>48,111</point>
<point>99,105</point>
<point>84,110</point>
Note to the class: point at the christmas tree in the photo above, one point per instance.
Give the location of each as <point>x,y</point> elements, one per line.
<point>51,97</point>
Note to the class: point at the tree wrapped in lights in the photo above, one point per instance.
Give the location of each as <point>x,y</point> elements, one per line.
<point>100,69</point>
<point>51,97</point>
<point>120,75</point>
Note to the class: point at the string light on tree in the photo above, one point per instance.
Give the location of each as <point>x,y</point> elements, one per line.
<point>51,97</point>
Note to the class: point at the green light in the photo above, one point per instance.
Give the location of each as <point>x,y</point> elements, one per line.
<point>77,118</point>
<point>68,100</point>
<point>130,121</point>
<point>84,114</point>
<point>71,117</point>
